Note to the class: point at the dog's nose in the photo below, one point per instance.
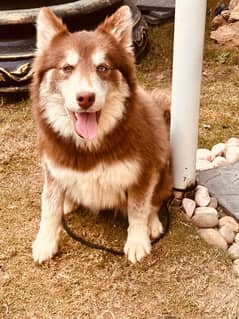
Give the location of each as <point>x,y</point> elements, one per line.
<point>85,99</point>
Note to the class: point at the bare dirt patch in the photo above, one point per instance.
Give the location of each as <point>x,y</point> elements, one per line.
<point>182,279</point>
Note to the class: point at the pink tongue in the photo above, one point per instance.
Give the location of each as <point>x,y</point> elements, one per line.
<point>86,125</point>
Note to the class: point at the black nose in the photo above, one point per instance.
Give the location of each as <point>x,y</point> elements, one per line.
<point>85,99</point>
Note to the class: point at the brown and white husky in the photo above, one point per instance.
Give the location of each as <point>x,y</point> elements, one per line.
<point>103,140</point>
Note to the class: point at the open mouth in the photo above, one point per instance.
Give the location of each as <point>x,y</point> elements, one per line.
<point>86,124</point>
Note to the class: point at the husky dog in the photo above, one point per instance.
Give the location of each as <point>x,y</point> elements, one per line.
<point>102,139</point>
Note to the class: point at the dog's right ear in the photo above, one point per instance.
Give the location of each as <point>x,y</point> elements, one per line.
<point>48,25</point>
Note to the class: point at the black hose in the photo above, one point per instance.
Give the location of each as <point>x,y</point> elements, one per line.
<point>163,210</point>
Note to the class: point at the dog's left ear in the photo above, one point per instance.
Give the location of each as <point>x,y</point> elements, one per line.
<point>120,25</point>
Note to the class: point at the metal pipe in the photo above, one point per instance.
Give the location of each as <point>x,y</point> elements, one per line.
<point>189,32</point>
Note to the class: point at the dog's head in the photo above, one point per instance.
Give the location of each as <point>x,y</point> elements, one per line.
<point>82,79</point>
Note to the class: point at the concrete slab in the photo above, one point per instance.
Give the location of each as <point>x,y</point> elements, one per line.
<point>223,183</point>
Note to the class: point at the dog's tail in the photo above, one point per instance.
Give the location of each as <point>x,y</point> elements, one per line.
<point>162,98</point>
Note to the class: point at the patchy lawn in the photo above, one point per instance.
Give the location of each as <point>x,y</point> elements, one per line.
<point>182,279</point>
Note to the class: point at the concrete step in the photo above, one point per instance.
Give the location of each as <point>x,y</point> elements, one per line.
<point>223,183</point>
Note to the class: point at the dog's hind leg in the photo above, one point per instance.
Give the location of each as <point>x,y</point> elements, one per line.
<point>46,244</point>
<point>161,193</point>
<point>155,225</point>
<point>69,205</point>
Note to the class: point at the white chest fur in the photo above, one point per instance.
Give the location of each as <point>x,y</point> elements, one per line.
<point>104,186</point>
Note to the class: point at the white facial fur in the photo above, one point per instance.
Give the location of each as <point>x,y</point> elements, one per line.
<point>77,83</point>
<point>59,97</point>
<point>98,57</point>
<point>72,58</point>
<point>73,86</point>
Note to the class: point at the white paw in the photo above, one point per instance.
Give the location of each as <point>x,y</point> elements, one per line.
<point>138,243</point>
<point>155,227</point>
<point>44,247</point>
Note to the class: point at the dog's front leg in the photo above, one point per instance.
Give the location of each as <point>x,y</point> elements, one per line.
<point>46,244</point>
<point>139,208</point>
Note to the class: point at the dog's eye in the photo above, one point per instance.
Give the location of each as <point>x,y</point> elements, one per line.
<point>67,68</point>
<point>102,68</point>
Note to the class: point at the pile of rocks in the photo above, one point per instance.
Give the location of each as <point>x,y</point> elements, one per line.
<point>212,225</point>
<point>220,154</point>
<point>226,25</point>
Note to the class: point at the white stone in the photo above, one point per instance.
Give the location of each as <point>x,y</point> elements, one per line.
<point>205,220</point>
<point>236,261</point>
<point>234,15</point>
<point>202,197</point>
<point>189,206</point>
<point>225,14</point>
<point>205,154</point>
<point>227,33</point>
<point>230,221</point>
<point>234,251</point>
<point>236,238</point>
<point>219,161</point>
<point>213,202</point>
<point>217,22</point>
<point>233,141</point>
<point>232,154</point>
<point>205,217</point>
<point>200,187</point>
<point>213,237</point>
<point>219,149</point>
<point>202,165</point>
<point>206,210</point>
<point>227,233</point>
<point>233,4</point>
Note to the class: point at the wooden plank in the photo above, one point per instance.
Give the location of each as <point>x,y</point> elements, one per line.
<point>223,183</point>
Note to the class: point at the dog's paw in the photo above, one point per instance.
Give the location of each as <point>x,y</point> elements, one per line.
<point>138,243</point>
<point>155,227</point>
<point>44,247</point>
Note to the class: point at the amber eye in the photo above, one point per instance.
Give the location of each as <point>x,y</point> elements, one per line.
<point>67,68</point>
<point>102,68</point>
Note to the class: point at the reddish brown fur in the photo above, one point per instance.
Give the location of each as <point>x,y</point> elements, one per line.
<point>128,152</point>
<point>142,134</point>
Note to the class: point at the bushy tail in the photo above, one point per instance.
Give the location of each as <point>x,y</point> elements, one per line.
<point>163,100</point>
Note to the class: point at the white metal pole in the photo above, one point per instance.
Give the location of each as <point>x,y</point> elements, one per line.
<point>189,32</point>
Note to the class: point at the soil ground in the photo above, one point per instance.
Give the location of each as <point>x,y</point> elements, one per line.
<point>183,278</point>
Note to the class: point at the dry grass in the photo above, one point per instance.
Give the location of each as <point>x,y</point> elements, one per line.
<point>183,278</point>
<point>220,89</point>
